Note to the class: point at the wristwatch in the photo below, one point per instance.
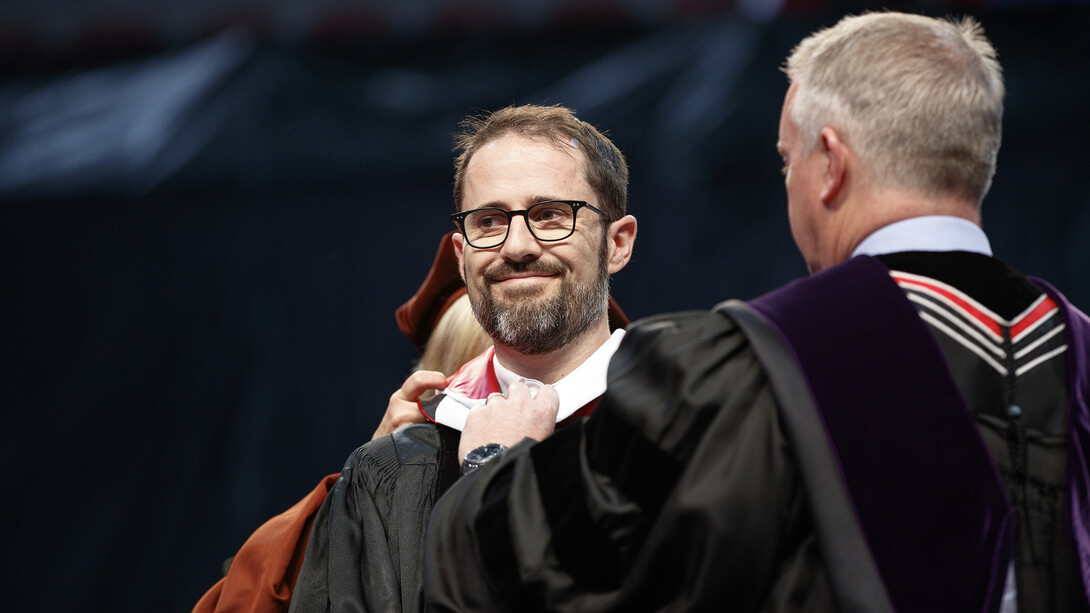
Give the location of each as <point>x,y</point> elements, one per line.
<point>480,456</point>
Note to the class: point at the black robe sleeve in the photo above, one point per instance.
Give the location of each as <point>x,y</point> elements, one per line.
<point>679,493</point>
<point>365,548</point>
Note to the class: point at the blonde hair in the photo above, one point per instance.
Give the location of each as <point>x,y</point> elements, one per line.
<point>920,98</point>
<point>456,339</point>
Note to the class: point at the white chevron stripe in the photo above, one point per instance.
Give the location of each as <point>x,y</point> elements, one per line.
<point>944,300</point>
<point>988,344</point>
<point>1036,324</point>
<point>1041,360</point>
<point>1037,343</point>
<point>964,342</point>
<point>955,291</point>
<point>1029,309</point>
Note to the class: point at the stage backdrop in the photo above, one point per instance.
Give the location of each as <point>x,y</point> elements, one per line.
<point>204,242</point>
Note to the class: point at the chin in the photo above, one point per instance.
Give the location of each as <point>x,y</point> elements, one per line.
<point>524,292</point>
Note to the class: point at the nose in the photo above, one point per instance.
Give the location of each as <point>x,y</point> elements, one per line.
<point>520,246</point>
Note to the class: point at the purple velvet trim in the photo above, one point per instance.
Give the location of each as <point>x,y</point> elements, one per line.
<point>928,497</point>
<point>1078,433</point>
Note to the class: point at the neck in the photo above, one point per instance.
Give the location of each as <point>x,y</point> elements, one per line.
<point>555,365</point>
<point>885,207</point>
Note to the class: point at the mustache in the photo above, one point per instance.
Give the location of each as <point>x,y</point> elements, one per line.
<point>500,270</point>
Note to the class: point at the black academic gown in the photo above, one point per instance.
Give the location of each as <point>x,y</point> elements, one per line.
<point>365,551</point>
<point>691,488</point>
<point>365,548</point>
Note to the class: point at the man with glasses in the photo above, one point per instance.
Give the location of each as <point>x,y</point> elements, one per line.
<point>906,429</point>
<point>540,199</point>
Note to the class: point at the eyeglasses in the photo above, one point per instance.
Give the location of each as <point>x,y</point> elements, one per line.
<point>553,220</point>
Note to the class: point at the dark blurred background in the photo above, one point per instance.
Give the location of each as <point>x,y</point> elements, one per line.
<point>210,210</point>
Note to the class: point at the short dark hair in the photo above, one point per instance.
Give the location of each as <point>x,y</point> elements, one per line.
<point>606,170</point>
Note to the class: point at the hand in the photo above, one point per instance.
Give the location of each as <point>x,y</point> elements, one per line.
<point>403,409</point>
<point>508,420</point>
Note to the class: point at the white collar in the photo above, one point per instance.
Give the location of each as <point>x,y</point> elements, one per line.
<point>928,233</point>
<point>580,386</point>
<point>576,389</point>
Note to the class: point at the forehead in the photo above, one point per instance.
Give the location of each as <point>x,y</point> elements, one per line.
<point>514,171</point>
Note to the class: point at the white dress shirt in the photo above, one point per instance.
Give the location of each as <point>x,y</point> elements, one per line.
<point>930,233</point>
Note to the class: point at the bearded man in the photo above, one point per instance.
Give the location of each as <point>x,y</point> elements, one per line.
<point>539,286</point>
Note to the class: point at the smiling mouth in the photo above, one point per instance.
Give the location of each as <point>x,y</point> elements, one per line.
<point>522,278</point>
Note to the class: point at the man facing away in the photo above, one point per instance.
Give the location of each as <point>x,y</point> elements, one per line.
<point>906,429</point>
<point>540,199</point>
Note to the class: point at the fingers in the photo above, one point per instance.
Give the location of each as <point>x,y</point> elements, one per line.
<point>508,420</point>
<point>527,388</point>
<point>402,408</point>
<point>548,395</point>
<point>519,391</point>
<point>420,382</point>
<point>538,402</point>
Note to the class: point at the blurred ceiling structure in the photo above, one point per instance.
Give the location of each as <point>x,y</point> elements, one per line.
<point>31,31</point>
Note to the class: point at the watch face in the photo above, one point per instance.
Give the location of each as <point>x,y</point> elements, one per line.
<point>481,455</point>
<point>484,452</point>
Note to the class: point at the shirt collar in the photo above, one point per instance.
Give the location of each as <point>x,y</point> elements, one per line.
<point>580,386</point>
<point>928,233</point>
<point>575,390</point>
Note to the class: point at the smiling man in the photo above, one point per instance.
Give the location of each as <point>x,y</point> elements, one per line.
<point>540,199</point>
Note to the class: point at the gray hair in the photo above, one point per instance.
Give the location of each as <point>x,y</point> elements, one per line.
<point>921,99</point>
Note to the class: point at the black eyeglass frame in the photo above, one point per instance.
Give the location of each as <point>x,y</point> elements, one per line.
<point>459,220</point>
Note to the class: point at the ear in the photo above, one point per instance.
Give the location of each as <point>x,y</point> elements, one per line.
<point>459,245</point>
<point>837,157</point>
<point>621,237</point>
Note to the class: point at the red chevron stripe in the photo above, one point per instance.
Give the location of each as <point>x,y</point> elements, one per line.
<point>958,301</point>
<point>1043,310</point>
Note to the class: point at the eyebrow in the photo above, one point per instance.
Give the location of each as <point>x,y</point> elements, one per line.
<point>499,204</point>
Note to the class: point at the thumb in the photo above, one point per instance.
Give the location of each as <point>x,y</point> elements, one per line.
<point>548,394</point>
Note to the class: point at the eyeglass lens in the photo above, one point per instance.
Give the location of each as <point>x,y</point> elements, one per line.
<point>546,220</point>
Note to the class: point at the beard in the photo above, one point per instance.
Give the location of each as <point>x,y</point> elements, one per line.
<point>533,325</point>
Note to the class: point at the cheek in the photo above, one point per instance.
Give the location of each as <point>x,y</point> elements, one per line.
<point>472,268</point>
<point>584,264</point>
<point>793,220</point>
<point>792,203</point>
<point>798,219</point>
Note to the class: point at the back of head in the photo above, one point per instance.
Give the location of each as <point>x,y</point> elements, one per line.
<point>919,99</point>
<point>606,170</point>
